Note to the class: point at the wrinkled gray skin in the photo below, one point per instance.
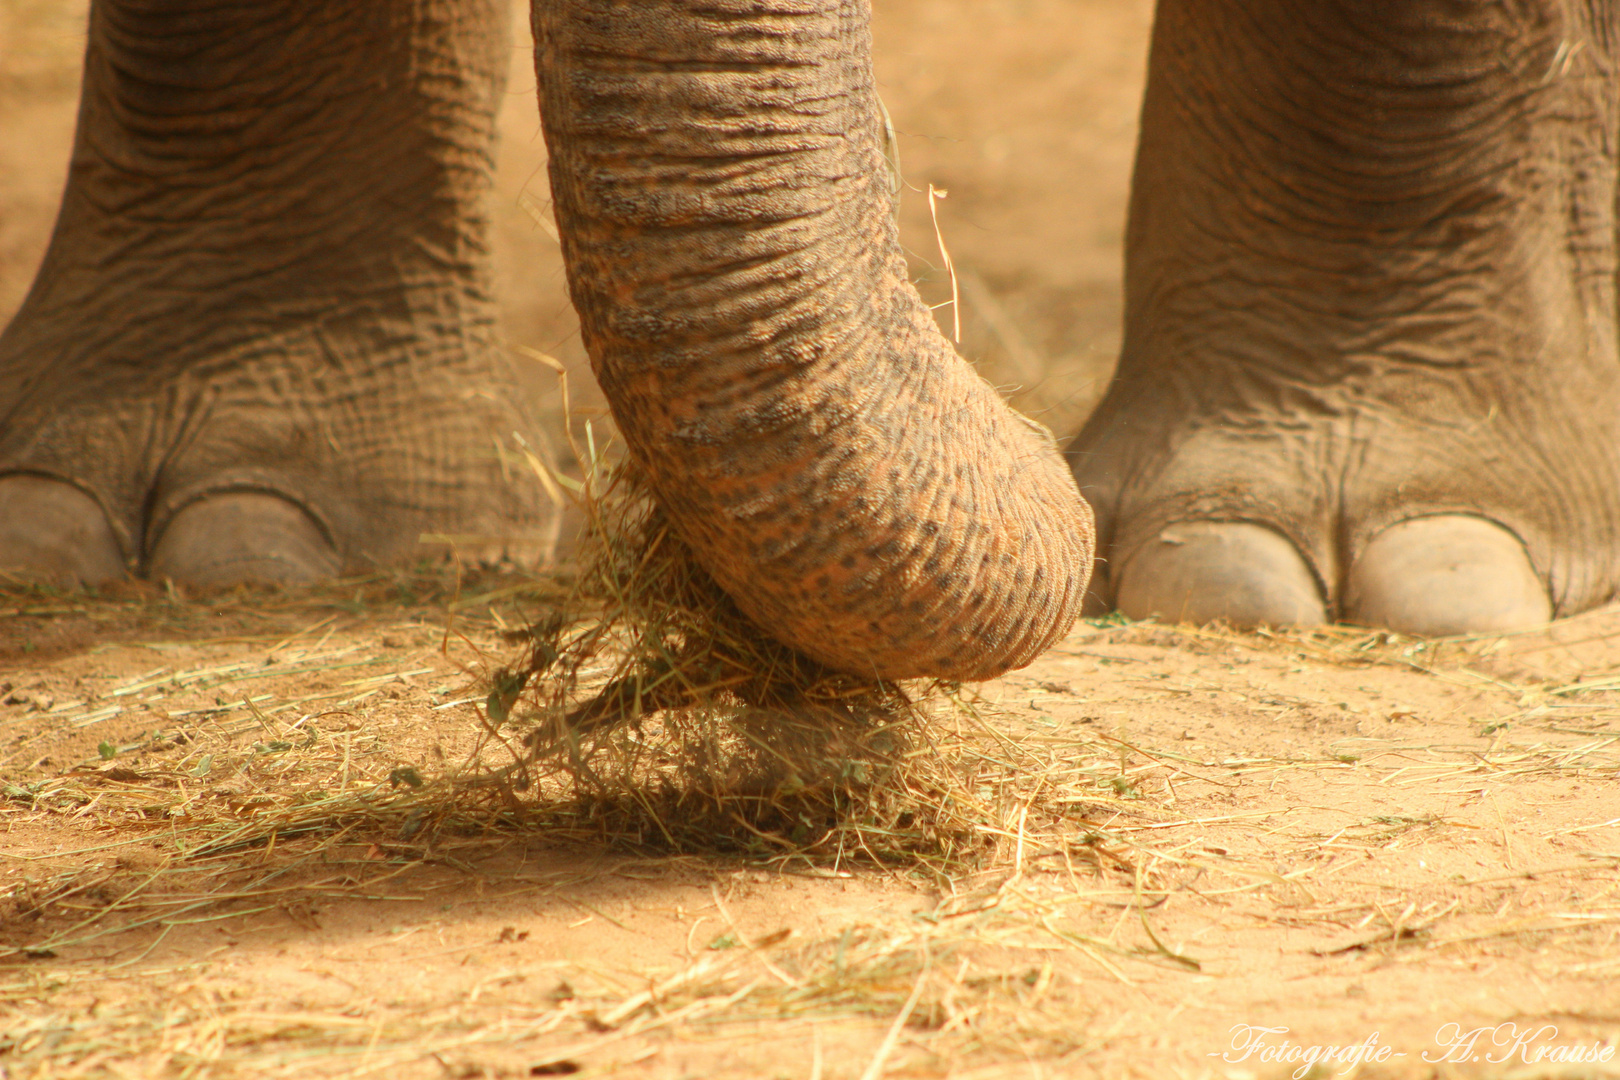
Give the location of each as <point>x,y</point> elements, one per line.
<point>260,344</point>
<point>1370,367</point>
<point>1369,362</point>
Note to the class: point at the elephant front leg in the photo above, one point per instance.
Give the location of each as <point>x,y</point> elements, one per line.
<point>261,345</point>
<point>1370,367</point>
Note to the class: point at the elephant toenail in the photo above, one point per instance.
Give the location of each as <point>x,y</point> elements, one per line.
<point>1198,572</point>
<point>243,536</point>
<point>55,534</point>
<point>1446,574</point>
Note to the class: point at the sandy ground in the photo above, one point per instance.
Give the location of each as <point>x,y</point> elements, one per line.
<point>1200,853</point>
<point>1196,844</point>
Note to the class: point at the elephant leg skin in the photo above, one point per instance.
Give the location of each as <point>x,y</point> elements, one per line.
<point>1370,369</point>
<point>261,343</point>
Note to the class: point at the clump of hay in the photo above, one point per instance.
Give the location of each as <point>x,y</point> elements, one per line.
<point>675,721</point>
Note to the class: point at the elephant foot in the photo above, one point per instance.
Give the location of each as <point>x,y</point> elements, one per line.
<point>1435,576</point>
<point>52,533</point>
<point>243,537</point>
<point>260,476</point>
<point>1372,356</point>
<point>1200,571</point>
<point>266,472</point>
<point>1446,574</point>
<point>266,351</point>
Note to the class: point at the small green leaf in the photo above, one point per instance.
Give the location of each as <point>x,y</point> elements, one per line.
<point>107,751</point>
<point>405,774</point>
<point>507,685</point>
<point>411,825</point>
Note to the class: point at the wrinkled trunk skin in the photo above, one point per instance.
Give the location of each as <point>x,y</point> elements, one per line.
<point>269,274</point>
<point>1370,277</point>
<point>851,482</point>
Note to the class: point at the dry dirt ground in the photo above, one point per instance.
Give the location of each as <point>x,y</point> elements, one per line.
<point>240,837</point>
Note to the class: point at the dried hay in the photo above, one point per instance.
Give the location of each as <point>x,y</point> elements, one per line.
<point>671,719</point>
<point>643,712</point>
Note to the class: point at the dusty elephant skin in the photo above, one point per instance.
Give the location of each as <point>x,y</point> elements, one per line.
<point>726,222</point>
<point>261,344</point>
<point>1369,369</point>
<point>1370,365</point>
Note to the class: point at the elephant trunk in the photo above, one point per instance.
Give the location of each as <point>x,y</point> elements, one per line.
<point>727,224</point>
